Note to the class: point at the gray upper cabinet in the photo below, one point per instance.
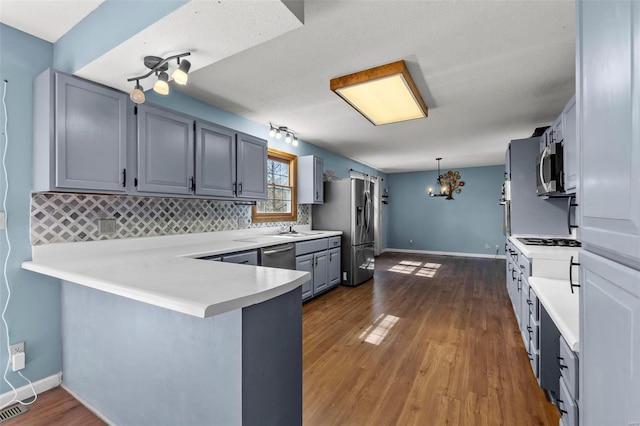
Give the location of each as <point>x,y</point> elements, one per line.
<point>310,180</point>
<point>556,135</point>
<point>251,168</point>
<point>609,342</point>
<point>215,160</point>
<point>609,129</point>
<point>570,147</point>
<point>80,135</point>
<point>165,151</point>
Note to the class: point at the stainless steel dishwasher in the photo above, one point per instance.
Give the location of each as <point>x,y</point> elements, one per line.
<point>281,256</point>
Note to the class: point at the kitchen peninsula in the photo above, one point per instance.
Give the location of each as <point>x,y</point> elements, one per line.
<point>154,335</point>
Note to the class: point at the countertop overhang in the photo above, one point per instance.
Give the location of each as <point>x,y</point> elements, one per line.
<point>561,305</point>
<point>166,272</point>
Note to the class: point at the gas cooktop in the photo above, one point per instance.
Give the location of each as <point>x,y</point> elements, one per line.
<point>550,242</point>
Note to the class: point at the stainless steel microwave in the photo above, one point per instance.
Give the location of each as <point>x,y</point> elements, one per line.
<point>550,173</point>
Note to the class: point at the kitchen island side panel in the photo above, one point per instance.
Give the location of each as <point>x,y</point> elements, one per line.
<point>272,361</point>
<point>138,364</point>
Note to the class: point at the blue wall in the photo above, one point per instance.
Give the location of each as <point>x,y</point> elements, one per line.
<point>463,225</point>
<point>33,313</point>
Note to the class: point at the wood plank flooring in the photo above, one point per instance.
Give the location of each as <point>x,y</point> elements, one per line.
<point>56,407</point>
<point>430,341</point>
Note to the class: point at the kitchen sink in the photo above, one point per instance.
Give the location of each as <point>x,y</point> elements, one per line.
<point>295,234</point>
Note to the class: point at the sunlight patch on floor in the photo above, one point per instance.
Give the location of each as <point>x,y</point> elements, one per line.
<point>419,269</point>
<point>379,329</point>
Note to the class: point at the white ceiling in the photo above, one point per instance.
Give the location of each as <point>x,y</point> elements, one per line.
<point>45,19</point>
<point>489,71</point>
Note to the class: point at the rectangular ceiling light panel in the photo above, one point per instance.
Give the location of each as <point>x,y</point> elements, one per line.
<point>385,94</point>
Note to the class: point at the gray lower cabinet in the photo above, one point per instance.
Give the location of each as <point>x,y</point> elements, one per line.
<point>609,342</point>
<point>245,258</point>
<point>165,151</point>
<point>320,271</point>
<point>305,263</point>
<point>334,267</point>
<point>322,262</point>
<point>215,160</point>
<point>80,135</point>
<point>251,167</point>
<point>310,180</point>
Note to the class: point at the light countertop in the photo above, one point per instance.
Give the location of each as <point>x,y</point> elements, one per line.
<point>166,272</point>
<point>561,305</point>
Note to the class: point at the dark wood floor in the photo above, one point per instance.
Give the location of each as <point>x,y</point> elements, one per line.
<point>431,340</point>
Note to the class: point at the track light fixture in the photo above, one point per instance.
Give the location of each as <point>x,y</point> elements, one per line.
<point>159,66</point>
<point>137,94</point>
<point>289,135</point>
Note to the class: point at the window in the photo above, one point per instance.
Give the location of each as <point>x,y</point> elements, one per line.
<point>280,205</point>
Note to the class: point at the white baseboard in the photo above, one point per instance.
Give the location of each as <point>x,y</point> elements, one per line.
<point>90,407</point>
<point>446,253</point>
<point>25,391</point>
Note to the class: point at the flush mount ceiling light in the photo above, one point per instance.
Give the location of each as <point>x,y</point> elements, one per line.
<point>384,94</point>
<point>277,131</point>
<point>159,66</point>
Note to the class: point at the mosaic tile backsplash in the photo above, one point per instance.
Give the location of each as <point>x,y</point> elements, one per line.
<point>62,217</point>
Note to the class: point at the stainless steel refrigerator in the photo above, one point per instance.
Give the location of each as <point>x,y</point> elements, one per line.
<point>348,208</point>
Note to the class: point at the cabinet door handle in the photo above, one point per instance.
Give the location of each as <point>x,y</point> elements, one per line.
<point>193,184</point>
<point>519,282</point>
<point>560,364</point>
<point>317,195</point>
<point>124,178</point>
<point>571,265</point>
<point>240,188</point>
<point>244,262</point>
<point>529,302</point>
<point>569,205</point>
<point>235,186</point>
<point>513,275</point>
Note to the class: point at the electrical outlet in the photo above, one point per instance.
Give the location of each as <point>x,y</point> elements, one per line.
<point>16,348</point>
<point>106,226</point>
<point>497,247</point>
<point>487,246</point>
<point>410,241</point>
<point>3,223</point>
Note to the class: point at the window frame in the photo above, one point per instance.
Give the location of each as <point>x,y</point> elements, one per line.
<point>292,159</point>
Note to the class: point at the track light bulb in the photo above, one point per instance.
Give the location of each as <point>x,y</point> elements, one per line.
<point>272,131</point>
<point>287,138</point>
<point>278,134</point>
<point>181,75</point>
<point>295,141</point>
<point>162,85</point>
<point>137,94</point>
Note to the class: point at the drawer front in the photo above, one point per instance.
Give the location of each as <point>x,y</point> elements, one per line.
<point>567,406</point>
<point>305,247</point>
<point>569,368</point>
<point>534,329</point>
<point>524,265</point>
<point>334,242</point>
<point>534,305</point>
<point>247,258</point>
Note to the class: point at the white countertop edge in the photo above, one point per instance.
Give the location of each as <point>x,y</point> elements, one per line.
<point>561,305</point>
<point>153,259</point>
<point>185,306</point>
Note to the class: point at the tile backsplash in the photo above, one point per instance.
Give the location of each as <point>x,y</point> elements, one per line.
<point>66,217</point>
